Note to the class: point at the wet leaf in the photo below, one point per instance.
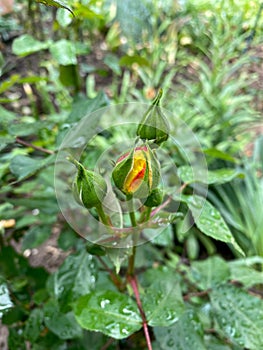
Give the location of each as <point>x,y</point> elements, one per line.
<point>162,302</point>
<point>239,316</point>
<point>209,220</point>
<point>210,272</point>
<point>186,334</point>
<point>5,300</point>
<point>75,277</point>
<point>111,313</point>
<point>63,325</point>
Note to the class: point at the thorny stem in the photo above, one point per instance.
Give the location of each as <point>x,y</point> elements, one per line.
<point>134,285</point>
<point>37,148</point>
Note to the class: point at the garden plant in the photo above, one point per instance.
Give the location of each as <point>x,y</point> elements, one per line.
<point>131,175</point>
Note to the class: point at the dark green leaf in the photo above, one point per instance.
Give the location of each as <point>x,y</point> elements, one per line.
<point>220,176</point>
<point>35,236</point>
<point>26,44</point>
<point>210,272</point>
<point>25,129</point>
<point>84,106</point>
<point>34,325</point>
<point>186,334</point>
<point>239,316</point>
<point>23,166</point>
<point>209,220</point>
<point>76,277</point>
<point>64,52</point>
<point>6,140</point>
<point>69,76</point>
<point>56,3</point>
<point>111,313</point>
<point>63,325</point>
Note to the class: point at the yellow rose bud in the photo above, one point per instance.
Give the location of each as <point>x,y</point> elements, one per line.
<point>137,172</point>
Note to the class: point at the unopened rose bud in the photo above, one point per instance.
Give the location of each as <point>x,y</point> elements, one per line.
<point>89,188</point>
<point>154,125</point>
<point>137,172</point>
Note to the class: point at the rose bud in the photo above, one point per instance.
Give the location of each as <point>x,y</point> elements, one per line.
<point>154,125</point>
<point>137,172</point>
<point>89,188</point>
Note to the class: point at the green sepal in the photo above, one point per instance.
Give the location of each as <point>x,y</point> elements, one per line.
<point>155,198</point>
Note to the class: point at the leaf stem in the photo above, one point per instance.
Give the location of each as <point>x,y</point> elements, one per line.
<point>37,148</point>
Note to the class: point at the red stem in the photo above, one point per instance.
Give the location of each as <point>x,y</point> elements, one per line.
<point>133,282</point>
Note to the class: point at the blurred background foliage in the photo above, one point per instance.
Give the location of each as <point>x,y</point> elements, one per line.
<point>55,68</point>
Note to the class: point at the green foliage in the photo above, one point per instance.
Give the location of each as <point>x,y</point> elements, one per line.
<point>188,287</point>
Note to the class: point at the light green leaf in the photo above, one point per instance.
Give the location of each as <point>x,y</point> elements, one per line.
<point>26,44</point>
<point>25,129</point>
<point>64,52</point>
<point>63,17</point>
<point>118,256</point>
<point>75,277</point>
<point>162,301</point>
<point>6,140</point>
<point>216,153</point>
<point>186,334</point>
<point>239,316</point>
<point>5,300</point>
<point>209,220</point>
<point>6,117</point>
<point>210,177</point>
<point>111,313</point>
<point>210,272</point>
<point>246,275</point>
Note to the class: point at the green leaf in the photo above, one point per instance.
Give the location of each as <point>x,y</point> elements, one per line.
<point>35,236</point>
<point>6,140</point>
<point>210,177</point>
<point>84,106</point>
<point>34,325</point>
<point>118,256</point>
<point>5,300</point>
<point>6,117</point>
<point>162,302</point>
<point>165,238</point>
<point>111,313</point>
<point>185,334</point>
<point>75,277</point>
<point>216,153</point>
<point>209,220</point>
<point>246,275</point>
<point>210,272</point>
<point>239,316</point>
<point>56,3</point>
<point>128,61</point>
<point>26,44</point>
<point>23,166</point>
<point>25,129</point>
<point>63,325</point>
<point>63,17</point>
<point>64,52</point>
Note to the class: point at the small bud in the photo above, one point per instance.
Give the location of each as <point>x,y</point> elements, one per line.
<point>155,198</point>
<point>89,188</point>
<point>137,172</point>
<point>154,125</point>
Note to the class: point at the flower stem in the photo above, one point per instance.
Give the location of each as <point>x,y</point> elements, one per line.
<point>104,218</point>
<point>131,263</point>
